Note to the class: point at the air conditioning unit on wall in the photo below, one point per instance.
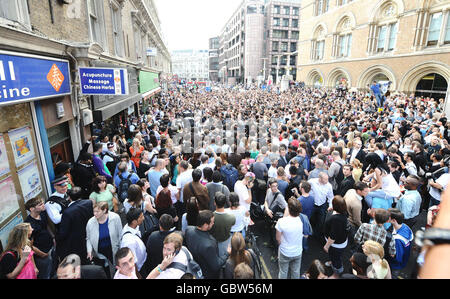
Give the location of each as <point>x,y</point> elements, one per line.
<point>88,118</point>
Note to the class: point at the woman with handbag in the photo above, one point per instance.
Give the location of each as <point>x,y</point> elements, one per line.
<point>103,233</point>
<point>17,260</point>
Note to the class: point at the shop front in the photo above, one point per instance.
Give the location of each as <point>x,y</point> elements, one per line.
<point>26,83</point>
<point>149,87</point>
<point>110,110</point>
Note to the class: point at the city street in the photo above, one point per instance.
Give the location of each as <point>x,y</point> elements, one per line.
<point>315,251</point>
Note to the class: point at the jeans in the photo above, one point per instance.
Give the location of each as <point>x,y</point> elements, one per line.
<point>223,246</point>
<point>335,255</point>
<point>289,267</point>
<point>318,217</point>
<point>379,98</point>
<point>45,266</point>
<point>379,194</point>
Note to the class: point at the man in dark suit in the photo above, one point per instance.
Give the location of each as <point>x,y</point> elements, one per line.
<point>357,152</point>
<point>71,236</point>
<point>284,160</point>
<point>203,246</point>
<point>348,182</point>
<point>155,242</point>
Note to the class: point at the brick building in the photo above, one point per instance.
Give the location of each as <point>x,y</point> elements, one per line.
<point>405,42</point>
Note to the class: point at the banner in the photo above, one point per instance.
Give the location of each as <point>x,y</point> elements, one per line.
<point>4,164</point>
<point>103,81</point>
<point>27,77</point>
<point>22,144</point>
<point>9,203</point>
<point>4,231</point>
<point>30,181</point>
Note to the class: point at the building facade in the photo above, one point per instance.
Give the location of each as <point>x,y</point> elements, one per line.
<point>359,41</point>
<point>241,43</point>
<point>191,65</point>
<point>214,44</point>
<point>282,34</point>
<point>259,40</point>
<point>44,116</point>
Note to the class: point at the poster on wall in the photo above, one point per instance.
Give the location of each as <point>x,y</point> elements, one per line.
<point>4,231</point>
<point>4,164</point>
<point>30,181</point>
<point>9,202</point>
<point>22,145</point>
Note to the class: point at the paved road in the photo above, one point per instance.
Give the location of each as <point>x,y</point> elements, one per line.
<point>315,251</point>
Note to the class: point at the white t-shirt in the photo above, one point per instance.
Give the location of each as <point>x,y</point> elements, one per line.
<point>241,220</point>
<point>291,229</point>
<point>272,173</point>
<point>241,190</point>
<point>172,273</point>
<point>173,192</point>
<point>442,180</point>
<point>183,179</point>
<point>390,186</point>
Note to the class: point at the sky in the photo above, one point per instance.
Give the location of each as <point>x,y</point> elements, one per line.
<point>190,24</point>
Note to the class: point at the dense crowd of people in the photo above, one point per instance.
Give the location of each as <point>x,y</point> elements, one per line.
<point>175,192</point>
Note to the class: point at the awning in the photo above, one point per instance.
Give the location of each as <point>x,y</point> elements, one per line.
<point>102,114</point>
<point>151,92</point>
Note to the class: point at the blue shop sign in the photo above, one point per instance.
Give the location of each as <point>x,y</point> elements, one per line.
<point>26,77</point>
<point>103,81</point>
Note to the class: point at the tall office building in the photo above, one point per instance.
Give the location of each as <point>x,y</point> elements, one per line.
<point>214,59</point>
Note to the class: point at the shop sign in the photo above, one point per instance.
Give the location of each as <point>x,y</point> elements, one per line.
<point>103,81</point>
<point>26,77</point>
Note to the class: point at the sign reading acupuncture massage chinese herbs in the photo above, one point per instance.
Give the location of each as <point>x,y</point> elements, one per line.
<point>103,81</point>
<point>26,77</point>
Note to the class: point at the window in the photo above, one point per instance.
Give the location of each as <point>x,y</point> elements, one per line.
<point>295,11</point>
<point>447,30</point>
<point>96,22</point>
<point>381,38</point>
<point>285,22</point>
<point>387,37</point>
<point>293,47</point>
<point>284,47</point>
<point>275,46</point>
<point>15,10</point>
<point>345,44</point>
<point>117,30</point>
<point>276,21</point>
<point>434,29</point>
<point>320,45</point>
<point>321,6</point>
<point>295,23</point>
<point>286,10</point>
<point>392,36</point>
<point>280,33</point>
<point>294,34</point>
<point>277,9</point>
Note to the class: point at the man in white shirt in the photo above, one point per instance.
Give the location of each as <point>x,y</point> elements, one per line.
<point>437,187</point>
<point>131,237</point>
<point>126,265</point>
<point>184,177</point>
<point>243,190</point>
<point>272,173</point>
<point>289,234</point>
<point>322,191</point>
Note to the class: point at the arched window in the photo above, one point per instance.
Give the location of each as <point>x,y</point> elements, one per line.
<point>342,38</point>
<point>318,44</point>
<point>383,31</point>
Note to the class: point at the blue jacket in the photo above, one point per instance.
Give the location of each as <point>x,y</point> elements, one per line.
<point>403,238</point>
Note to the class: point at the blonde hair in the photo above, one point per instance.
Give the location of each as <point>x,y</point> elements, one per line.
<point>174,238</point>
<point>356,163</point>
<point>375,252</point>
<point>18,237</point>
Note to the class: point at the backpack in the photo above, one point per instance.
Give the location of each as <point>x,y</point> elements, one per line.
<point>230,176</point>
<point>340,176</point>
<point>149,225</point>
<point>124,185</point>
<point>192,266</point>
